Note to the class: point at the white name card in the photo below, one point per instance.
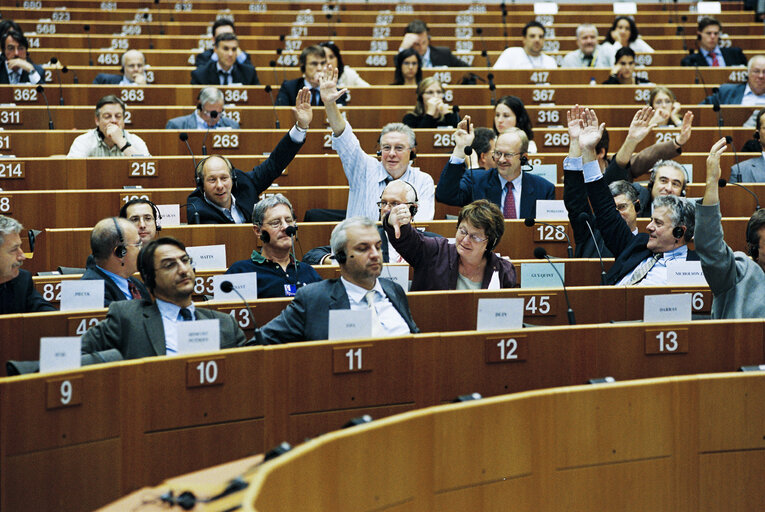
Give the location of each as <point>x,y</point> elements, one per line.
<point>398,273</point>
<point>245,283</point>
<point>709,7</point>
<point>672,307</point>
<point>82,294</point>
<point>208,257</point>
<point>685,272</point>
<point>346,324</point>
<point>625,8</point>
<point>198,336</point>
<point>545,8</point>
<point>170,213</point>
<point>546,171</point>
<point>59,354</point>
<point>499,314</point>
<point>551,209</point>
<point>542,275</point>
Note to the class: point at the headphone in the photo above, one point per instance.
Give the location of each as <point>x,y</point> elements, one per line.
<point>652,180</point>
<point>678,232</point>
<point>413,208</point>
<point>265,237</point>
<point>143,200</point>
<point>120,251</point>
<point>341,257</point>
<point>412,153</point>
<point>198,171</point>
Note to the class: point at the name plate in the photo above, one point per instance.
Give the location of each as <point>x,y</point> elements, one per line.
<point>398,273</point>
<point>208,257</point>
<point>245,283</point>
<point>499,314</point>
<point>345,324</point>
<point>545,8</point>
<point>542,275</point>
<point>59,354</point>
<point>685,272</point>
<point>551,209</point>
<point>671,307</point>
<point>625,8</point>
<point>77,294</point>
<point>198,336</point>
<point>709,7</point>
<point>170,214</point>
<point>548,172</point>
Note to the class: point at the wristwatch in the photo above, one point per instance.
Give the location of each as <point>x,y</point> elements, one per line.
<point>127,145</point>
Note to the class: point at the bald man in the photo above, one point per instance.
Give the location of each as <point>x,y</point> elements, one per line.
<point>133,71</point>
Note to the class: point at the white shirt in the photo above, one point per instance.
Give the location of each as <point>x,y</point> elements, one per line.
<point>517,58</point>
<point>90,144</point>
<point>750,98</point>
<point>171,315</point>
<point>393,324</point>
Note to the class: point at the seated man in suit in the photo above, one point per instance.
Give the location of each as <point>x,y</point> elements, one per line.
<point>417,36</point>
<point>17,292</point>
<point>15,66</point>
<point>226,70</point>
<point>115,243</point>
<point>640,259</point>
<point>144,215</point>
<point>109,137</point>
<point>133,71</point>
<point>753,169</point>
<point>483,149</point>
<point>312,62</point>
<point>225,195</point>
<point>207,116</point>
<point>279,274</point>
<point>515,192</point>
<point>590,54</point>
<point>710,53</point>
<point>750,93</point>
<point>142,328</point>
<point>221,25</point>
<point>356,245</point>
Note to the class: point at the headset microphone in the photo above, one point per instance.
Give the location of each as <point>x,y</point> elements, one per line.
<point>257,339</point>
<point>541,253</point>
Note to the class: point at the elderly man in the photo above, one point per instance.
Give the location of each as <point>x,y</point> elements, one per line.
<point>133,71</point>
<point>750,93</point>
<point>145,217</point>
<point>356,245</point>
<point>417,36</point>
<point>590,54</point>
<point>530,56</point>
<point>109,137</point>
<point>115,243</point>
<point>710,53</point>
<point>226,70</point>
<point>752,170</point>
<point>17,291</point>
<point>144,328</point>
<point>220,26</point>
<point>279,274</point>
<point>207,116</point>
<point>15,66</point>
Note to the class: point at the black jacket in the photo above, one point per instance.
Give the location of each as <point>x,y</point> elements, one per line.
<point>20,296</point>
<point>289,90</point>
<point>733,57</point>
<point>112,292</point>
<point>240,74</point>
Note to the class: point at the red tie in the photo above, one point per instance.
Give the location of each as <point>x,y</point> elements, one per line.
<point>509,208</point>
<point>133,289</point>
<point>715,62</point>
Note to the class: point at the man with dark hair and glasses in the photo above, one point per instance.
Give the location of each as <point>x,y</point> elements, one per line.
<point>278,273</point>
<point>145,328</point>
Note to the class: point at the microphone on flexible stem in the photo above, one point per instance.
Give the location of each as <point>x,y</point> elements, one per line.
<point>273,67</point>
<point>531,221</point>
<point>185,139</point>
<point>75,78</point>
<point>86,28</point>
<point>159,18</point>
<point>257,339</point>
<point>504,22</point>
<point>722,182</point>
<point>41,90</point>
<point>269,90</point>
<point>492,89</point>
<point>54,61</point>
<point>279,52</point>
<point>148,23</point>
<point>540,253</point>
<point>586,218</point>
<point>214,115</point>
<point>484,53</point>
<point>191,219</point>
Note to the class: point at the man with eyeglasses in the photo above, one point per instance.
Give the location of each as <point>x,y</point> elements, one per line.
<point>115,244</point>
<point>145,328</point>
<point>15,66</point>
<point>278,273</point>
<point>750,93</point>
<point>109,137</point>
<point>207,116</point>
<point>144,215</point>
<point>515,192</point>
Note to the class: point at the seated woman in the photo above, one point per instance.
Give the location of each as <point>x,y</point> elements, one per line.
<point>666,107</point>
<point>468,264</point>
<point>431,111</point>
<point>624,33</point>
<point>509,113</point>
<point>408,68</point>
<point>348,77</point>
<point>623,72</point>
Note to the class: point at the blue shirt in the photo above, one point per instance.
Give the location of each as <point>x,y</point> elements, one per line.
<point>121,282</point>
<point>708,55</point>
<point>273,281</point>
<point>171,315</point>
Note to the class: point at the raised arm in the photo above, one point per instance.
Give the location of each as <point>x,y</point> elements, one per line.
<point>330,95</point>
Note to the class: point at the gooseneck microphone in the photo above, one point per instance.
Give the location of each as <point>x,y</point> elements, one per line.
<point>722,183</point>
<point>86,28</point>
<point>75,78</point>
<point>492,89</point>
<point>54,61</point>
<point>214,115</point>
<point>586,218</point>
<point>257,339</point>
<point>41,90</point>
<point>185,139</point>
<point>193,218</point>
<point>531,221</point>
<point>540,253</point>
<point>269,90</point>
<point>484,53</point>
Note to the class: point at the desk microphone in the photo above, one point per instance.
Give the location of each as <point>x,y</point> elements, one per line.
<point>214,115</point>
<point>54,61</point>
<point>540,253</point>
<point>586,218</point>
<point>41,90</point>
<point>86,28</point>
<point>75,78</point>
<point>531,221</point>
<point>484,53</point>
<point>269,90</point>
<point>191,219</point>
<point>492,89</point>
<point>257,339</point>
<point>185,139</point>
<point>722,183</point>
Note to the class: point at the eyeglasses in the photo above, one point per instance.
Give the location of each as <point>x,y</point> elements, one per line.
<point>623,206</point>
<point>398,149</point>
<point>218,113</point>
<point>146,219</point>
<point>276,224</point>
<point>172,265</point>
<point>385,204</point>
<point>499,154</point>
<point>475,238</point>
<point>138,244</point>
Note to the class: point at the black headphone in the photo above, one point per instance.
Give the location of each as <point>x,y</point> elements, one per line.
<point>341,257</point>
<point>142,200</point>
<point>265,237</point>
<point>412,153</point>
<point>678,232</point>
<point>525,163</point>
<point>199,180</point>
<point>120,251</point>
<point>652,180</point>
<point>413,208</point>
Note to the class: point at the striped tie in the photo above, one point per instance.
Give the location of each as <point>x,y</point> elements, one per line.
<point>642,270</point>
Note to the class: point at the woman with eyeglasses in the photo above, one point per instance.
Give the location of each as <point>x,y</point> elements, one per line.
<point>467,264</point>
<point>408,64</point>
<point>431,110</point>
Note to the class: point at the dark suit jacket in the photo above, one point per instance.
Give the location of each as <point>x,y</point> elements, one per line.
<point>442,56</point>
<point>733,56</point>
<point>112,292</point>
<point>24,75</point>
<point>289,90</point>
<point>206,56</point>
<point>107,79</point>
<point>458,188</point>
<point>189,122</point>
<point>249,185</point>
<point>208,75</point>
<point>134,327</point>
<point>306,318</point>
<point>729,94</point>
<point>20,296</point>
<point>575,199</point>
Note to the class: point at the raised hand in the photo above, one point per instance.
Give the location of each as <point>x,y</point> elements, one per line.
<point>463,135</point>
<point>713,161</point>
<point>641,124</point>
<point>685,130</point>
<point>302,110</point>
<point>591,132</point>
<point>573,117</point>
<point>328,85</point>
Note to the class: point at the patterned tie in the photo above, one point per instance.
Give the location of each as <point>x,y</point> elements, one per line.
<point>135,293</point>
<point>715,62</point>
<point>508,210</point>
<point>185,314</point>
<point>377,329</point>
<point>642,270</point>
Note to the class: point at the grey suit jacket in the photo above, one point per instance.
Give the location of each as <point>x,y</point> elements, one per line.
<point>134,327</point>
<point>748,171</point>
<point>189,122</point>
<point>306,318</point>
